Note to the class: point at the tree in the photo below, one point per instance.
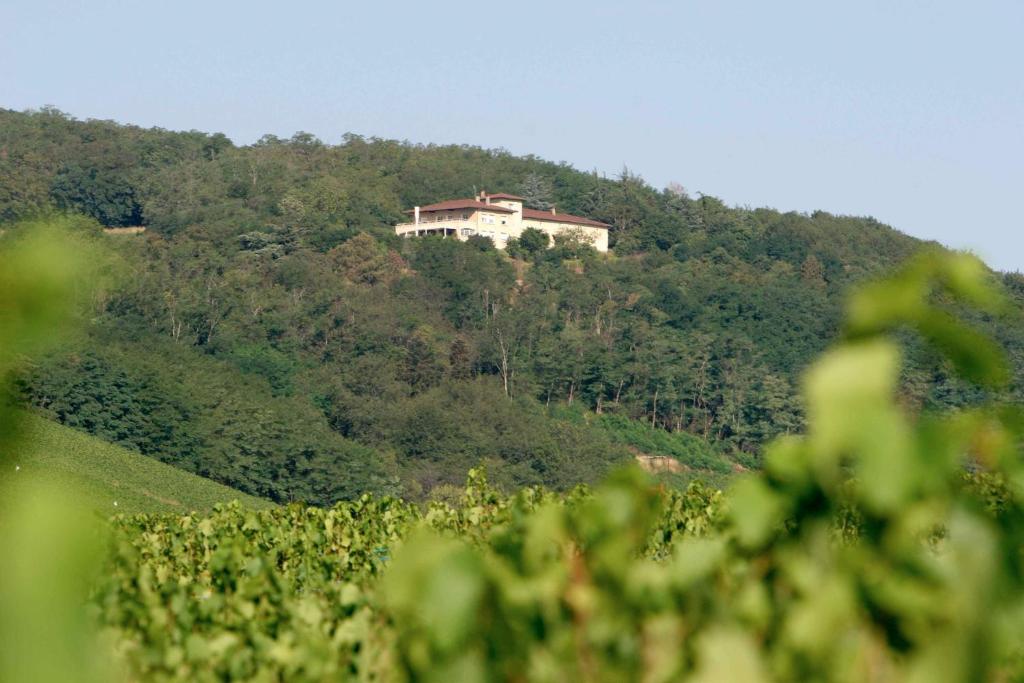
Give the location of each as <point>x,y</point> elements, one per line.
<point>536,191</point>
<point>423,365</point>
<point>106,195</point>
<point>532,241</point>
<point>480,242</point>
<point>361,259</point>
<point>459,362</point>
<point>574,244</point>
<point>812,271</point>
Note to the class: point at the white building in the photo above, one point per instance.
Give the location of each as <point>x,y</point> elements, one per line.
<point>500,217</point>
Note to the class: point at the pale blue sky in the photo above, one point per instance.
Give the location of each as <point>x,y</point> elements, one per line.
<point>909,111</point>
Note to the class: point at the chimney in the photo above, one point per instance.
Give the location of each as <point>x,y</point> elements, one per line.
<point>416,215</point>
<point>552,210</point>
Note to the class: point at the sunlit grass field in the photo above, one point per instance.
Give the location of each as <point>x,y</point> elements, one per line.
<point>110,479</point>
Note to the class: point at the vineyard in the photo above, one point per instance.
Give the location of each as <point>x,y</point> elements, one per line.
<point>879,546</point>
<point>303,593</point>
<point>627,582</point>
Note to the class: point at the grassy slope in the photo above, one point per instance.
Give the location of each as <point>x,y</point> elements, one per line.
<point>99,473</point>
<point>700,459</point>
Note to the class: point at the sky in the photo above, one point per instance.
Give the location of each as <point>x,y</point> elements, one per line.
<point>905,110</point>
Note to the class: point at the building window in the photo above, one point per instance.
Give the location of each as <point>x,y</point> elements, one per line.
<point>468,232</point>
<point>465,216</point>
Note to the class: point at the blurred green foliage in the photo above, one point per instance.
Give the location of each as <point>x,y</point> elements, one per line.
<point>47,269</point>
<point>51,552</point>
<point>52,555</point>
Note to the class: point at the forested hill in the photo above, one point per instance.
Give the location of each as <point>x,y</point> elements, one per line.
<point>272,333</point>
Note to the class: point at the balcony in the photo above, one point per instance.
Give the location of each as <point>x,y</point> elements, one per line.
<point>445,228</point>
<point>458,228</point>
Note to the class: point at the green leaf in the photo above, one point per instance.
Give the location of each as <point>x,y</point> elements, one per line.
<point>728,654</point>
<point>755,510</point>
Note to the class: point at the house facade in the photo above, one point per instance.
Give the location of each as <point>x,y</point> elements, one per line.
<point>499,217</point>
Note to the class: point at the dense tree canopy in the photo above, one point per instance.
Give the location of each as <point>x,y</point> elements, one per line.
<point>271,331</point>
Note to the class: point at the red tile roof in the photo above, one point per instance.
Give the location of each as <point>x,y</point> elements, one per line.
<point>561,218</point>
<point>534,214</point>
<point>502,195</point>
<point>455,204</point>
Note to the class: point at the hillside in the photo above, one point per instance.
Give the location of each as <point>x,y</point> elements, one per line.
<point>111,479</point>
<point>270,332</point>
